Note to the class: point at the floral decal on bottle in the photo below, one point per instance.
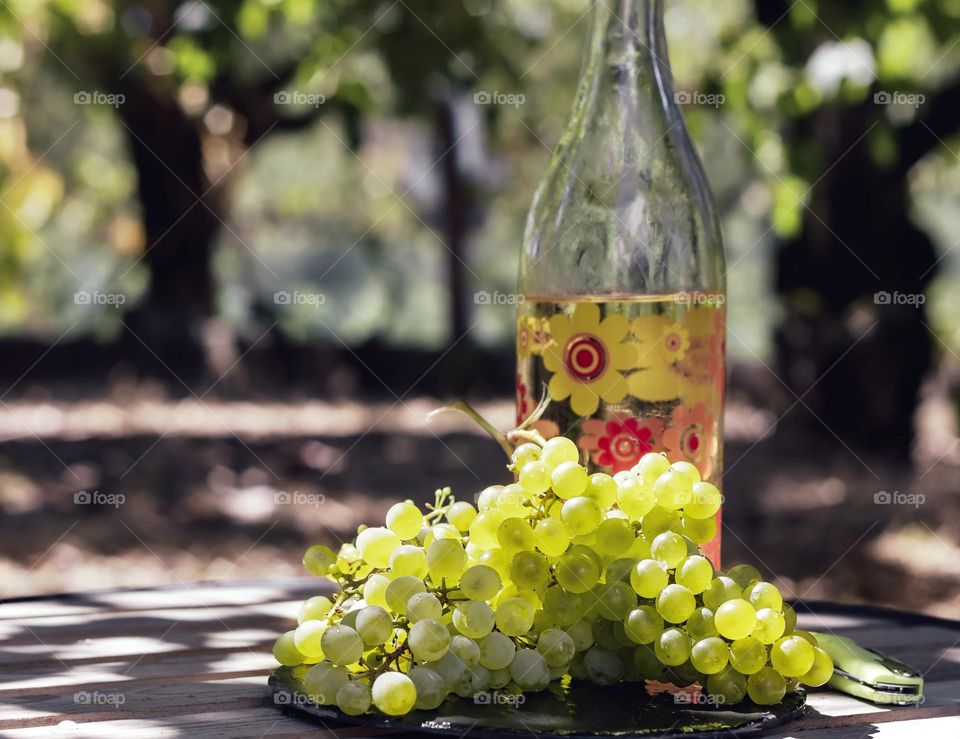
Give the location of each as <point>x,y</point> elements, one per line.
<point>691,437</point>
<point>588,358</point>
<point>618,444</point>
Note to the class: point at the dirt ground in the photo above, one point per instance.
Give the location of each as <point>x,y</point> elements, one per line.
<point>138,489</point>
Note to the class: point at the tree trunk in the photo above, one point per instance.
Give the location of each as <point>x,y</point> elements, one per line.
<point>181,220</point>
<point>853,337</point>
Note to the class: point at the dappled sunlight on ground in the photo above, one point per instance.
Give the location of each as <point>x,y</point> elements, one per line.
<point>106,493</point>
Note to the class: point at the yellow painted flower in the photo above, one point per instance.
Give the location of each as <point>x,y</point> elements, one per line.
<point>532,335</point>
<point>588,357</point>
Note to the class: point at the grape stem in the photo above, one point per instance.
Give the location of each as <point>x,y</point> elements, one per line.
<point>465,408</point>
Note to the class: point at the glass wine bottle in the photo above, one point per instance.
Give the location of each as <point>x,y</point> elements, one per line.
<point>622,320</point>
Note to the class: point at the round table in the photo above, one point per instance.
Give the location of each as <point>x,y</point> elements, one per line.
<point>193,661</point>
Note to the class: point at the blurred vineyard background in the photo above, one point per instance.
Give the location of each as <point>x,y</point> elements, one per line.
<point>246,247</point>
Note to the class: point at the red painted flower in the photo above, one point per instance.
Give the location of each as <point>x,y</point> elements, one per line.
<point>524,405</point>
<point>617,444</point>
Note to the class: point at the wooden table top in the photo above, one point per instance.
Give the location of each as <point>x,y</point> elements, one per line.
<point>193,661</point>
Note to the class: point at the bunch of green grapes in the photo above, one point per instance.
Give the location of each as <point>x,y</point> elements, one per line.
<point>561,572</point>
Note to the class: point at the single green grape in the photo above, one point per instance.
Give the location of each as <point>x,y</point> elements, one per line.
<point>405,520</point>
<point>480,582</point>
<point>534,477</point>
<point>603,489</point>
<point>727,687</point>
<point>323,681</point>
<point>672,647</point>
<point>374,625</point>
<point>474,619</point>
<point>643,625</point>
<point>409,559</point>
<point>699,531</point>
<point>285,650</point>
<point>565,608</point>
<point>314,608</point>
<point>735,619</point>
<point>466,649</point>
<point>307,638</point>
<point>558,450</point>
<point>376,544</point>
<point>789,619</point>
<point>515,535</point>
<point>648,578</point>
<point>487,498</point>
<point>497,560</point>
<point>700,624</point>
<point>557,647</point>
<point>446,559</point>
<point>529,570</point>
<point>792,656</point>
<point>709,655</point>
<point>318,560</point>
<point>705,501</point>
<point>429,640</point>
<point>460,515</point>
<point>673,490</point>
<point>617,599</point>
<point>634,497</point>
<point>821,670</point>
<point>524,453</point>
<point>658,520</point>
<point>695,573</point>
<point>581,515</point>
<point>770,625</point>
<point>354,698</point>
<point>529,670</point>
<point>450,668</point>
<point>577,573</point>
<point>676,603</point>
<point>496,651</point>
<point>514,616</point>
<point>614,537</point>
<point>651,466</point>
<point>422,606</point>
<point>552,537</point>
<point>688,470</point>
<point>394,693</point>
<point>765,687</point>
<point>720,590</point>
<point>375,590</point>
<point>744,575</point>
<point>748,655</point>
<point>399,592</point>
<point>483,530</point>
<point>602,666</point>
<point>569,480</point>
<point>341,645</point>
<point>430,687</point>
<point>763,595</point>
<point>669,549</point>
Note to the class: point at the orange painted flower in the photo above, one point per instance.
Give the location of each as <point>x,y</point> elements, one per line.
<point>548,429</point>
<point>692,438</point>
<point>618,444</point>
<point>587,358</point>
<point>676,341</point>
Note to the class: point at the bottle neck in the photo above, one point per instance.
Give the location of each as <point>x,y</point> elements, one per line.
<point>628,36</point>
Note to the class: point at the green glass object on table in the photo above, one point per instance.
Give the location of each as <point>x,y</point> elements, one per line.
<point>622,274</point>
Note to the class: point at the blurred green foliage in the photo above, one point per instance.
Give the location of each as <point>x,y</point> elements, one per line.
<point>348,204</point>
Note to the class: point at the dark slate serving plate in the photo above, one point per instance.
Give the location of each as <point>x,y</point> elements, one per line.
<point>580,710</point>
